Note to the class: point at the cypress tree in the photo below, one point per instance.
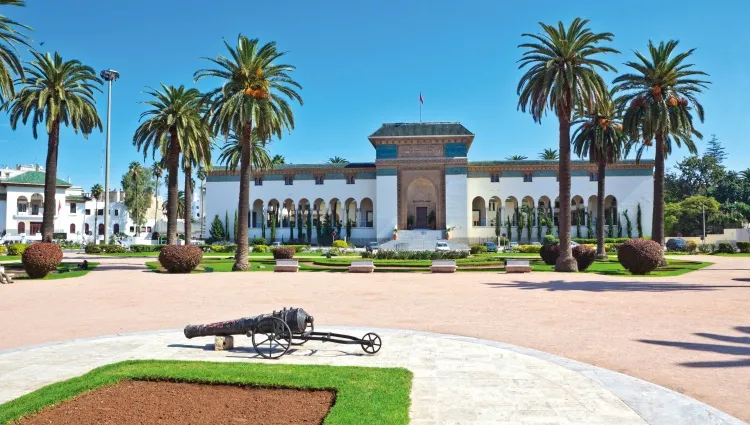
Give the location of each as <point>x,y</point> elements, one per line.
<point>299,223</point>
<point>589,226</point>
<point>638,225</point>
<point>273,228</point>
<point>498,223</point>
<point>578,223</point>
<point>217,229</point>
<point>309,226</point>
<point>629,225</point>
<point>226,225</point>
<point>508,228</point>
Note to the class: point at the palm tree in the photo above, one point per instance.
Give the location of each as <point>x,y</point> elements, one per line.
<point>563,78</point>
<point>157,171</point>
<point>549,155</point>
<point>202,173</point>
<point>55,92</point>
<point>337,160</point>
<point>516,158</point>
<point>174,126</point>
<point>745,175</point>
<point>252,98</point>
<point>659,98</point>
<point>278,160</point>
<point>10,64</point>
<point>96,192</point>
<point>232,151</point>
<point>180,205</point>
<point>600,136</point>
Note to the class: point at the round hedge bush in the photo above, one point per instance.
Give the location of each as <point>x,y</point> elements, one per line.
<point>743,246</point>
<point>339,244</point>
<point>41,258</point>
<point>585,256</point>
<point>640,256</point>
<point>478,249</point>
<point>283,253</point>
<point>550,253</point>
<point>17,248</point>
<point>180,258</point>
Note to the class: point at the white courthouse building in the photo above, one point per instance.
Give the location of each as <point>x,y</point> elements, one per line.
<point>78,217</point>
<point>423,182</point>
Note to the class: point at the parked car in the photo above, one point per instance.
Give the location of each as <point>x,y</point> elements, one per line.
<point>491,246</point>
<point>676,244</point>
<point>273,244</point>
<point>372,247</point>
<point>513,245</point>
<point>442,247</point>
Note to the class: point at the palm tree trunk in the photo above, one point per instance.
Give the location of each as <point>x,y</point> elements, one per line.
<point>188,202</point>
<point>50,183</point>
<point>566,262</point>
<point>172,189</point>
<point>600,253</point>
<point>657,225</point>
<point>240,262</point>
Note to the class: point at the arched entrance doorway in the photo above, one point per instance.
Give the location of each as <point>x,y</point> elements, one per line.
<point>421,204</point>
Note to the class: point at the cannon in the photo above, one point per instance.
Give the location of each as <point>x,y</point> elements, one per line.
<point>273,334</point>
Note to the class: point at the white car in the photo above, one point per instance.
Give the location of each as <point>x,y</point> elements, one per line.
<point>442,247</point>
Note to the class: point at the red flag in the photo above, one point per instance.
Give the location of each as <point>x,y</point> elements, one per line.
<point>420,98</point>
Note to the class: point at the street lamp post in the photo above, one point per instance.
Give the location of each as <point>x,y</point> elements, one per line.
<point>108,75</point>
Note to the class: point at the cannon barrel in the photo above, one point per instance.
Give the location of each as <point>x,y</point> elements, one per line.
<point>296,318</point>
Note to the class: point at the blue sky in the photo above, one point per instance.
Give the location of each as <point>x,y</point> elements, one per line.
<point>365,63</point>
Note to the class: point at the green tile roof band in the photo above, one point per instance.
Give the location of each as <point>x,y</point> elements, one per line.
<point>644,162</point>
<point>387,171</point>
<point>421,129</point>
<point>386,152</point>
<point>453,171</point>
<point>75,199</point>
<point>32,178</point>
<point>453,150</point>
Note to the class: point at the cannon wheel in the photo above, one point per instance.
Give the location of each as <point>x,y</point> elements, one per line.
<point>277,342</point>
<point>309,327</point>
<point>372,343</point>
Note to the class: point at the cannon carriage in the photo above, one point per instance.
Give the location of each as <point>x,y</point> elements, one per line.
<point>273,334</point>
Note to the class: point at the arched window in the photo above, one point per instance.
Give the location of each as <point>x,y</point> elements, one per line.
<point>21,227</point>
<point>101,228</point>
<point>72,228</point>
<point>117,228</point>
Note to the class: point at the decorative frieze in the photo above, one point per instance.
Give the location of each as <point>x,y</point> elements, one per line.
<point>420,151</point>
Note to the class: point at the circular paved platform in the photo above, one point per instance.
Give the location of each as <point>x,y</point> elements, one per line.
<point>457,380</point>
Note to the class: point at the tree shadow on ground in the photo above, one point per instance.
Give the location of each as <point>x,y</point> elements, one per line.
<point>599,286</point>
<point>743,349</point>
<point>741,279</point>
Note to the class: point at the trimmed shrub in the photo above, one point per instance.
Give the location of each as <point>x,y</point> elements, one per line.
<point>204,247</point>
<point>260,248</point>
<point>3,249</point>
<point>419,255</point>
<point>41,258</point>
<point>550,253</point>
<point>692,246</point>
<point>145,248</point>
<point>743,246</point>
<point>93,249</point>
<point>584,256</point>
<point>528,249</point>
<point>17,248</point>
<point>706,248</point>
<point>224,248</point>
<point>180,258</point>
<point>367,254</point>
<point>339,244</point>
<point>549,240</point>
<point>113,249</point>
<point>640,256</point>
<point>258,241</point>
<point>478,249</point>
<point>283,253</point>
<point>725,248</point>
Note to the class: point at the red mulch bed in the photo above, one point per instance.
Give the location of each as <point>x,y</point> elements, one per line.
<point>141,402</point>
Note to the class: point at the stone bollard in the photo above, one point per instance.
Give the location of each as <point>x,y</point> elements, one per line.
<point>223,342</point>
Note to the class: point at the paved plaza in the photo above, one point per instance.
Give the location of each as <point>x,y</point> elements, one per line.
<point>690,334</point>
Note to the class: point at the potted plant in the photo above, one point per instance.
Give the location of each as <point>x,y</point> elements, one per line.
<point>431,219</point>
<point>395,233</point>
<point>410,222</point>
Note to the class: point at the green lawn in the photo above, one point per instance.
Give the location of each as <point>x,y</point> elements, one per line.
<point>10,258</point>
<point>738,254</point>
<point>613,268</point>
<point>210,254</point>
<point>364,395</point>
<point>64,271</point>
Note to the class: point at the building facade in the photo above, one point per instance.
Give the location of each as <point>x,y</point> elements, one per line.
<point>421,182</point>
<point>78,218</point>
